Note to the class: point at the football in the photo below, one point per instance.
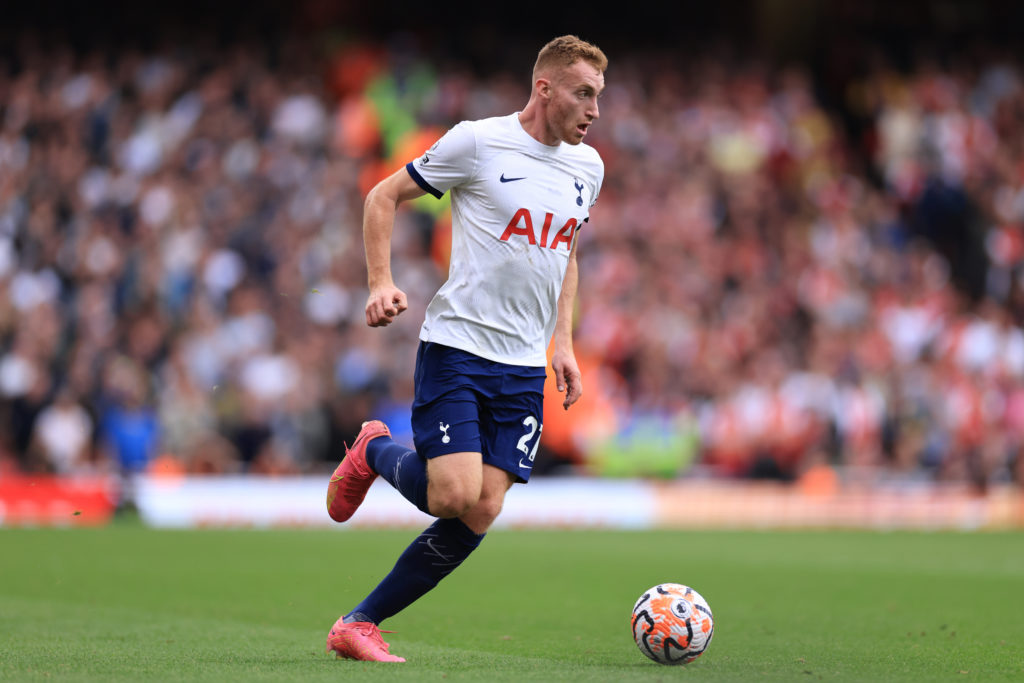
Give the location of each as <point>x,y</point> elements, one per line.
<point>672,624</point>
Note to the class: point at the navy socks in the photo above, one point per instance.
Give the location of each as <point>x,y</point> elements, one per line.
<point>432,556</point>
<point>402,467</point>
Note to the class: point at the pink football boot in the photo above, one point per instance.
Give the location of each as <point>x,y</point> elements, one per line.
<point>352,479</point>
<point>359,640</point>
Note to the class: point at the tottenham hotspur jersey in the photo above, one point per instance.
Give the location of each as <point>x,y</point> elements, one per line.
<point>517,205</point>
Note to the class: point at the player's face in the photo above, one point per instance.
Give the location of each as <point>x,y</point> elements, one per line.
<point>573,104</point>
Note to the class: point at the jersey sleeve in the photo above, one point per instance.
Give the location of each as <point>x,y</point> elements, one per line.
<point>449,162</point>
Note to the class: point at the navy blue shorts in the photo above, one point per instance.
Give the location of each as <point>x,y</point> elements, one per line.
<point>467,404</point>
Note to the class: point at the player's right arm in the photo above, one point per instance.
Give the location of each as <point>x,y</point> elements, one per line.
<point>386,300</point>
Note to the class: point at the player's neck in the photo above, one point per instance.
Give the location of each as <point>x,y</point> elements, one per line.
<point>533,121</point>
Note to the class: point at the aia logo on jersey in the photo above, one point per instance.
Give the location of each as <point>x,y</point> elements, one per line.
<point>522,224</point>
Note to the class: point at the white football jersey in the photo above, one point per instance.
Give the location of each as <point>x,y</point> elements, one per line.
<point>517,205</point>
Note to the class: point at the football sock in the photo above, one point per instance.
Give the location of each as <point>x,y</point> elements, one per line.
<point>432,556</point>
<point>402,467</point>
<point>354,616</point>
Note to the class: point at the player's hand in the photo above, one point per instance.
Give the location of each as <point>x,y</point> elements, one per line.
<point>384,304</point>
<point>567,377</point>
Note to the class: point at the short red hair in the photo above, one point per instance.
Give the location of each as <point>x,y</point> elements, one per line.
<point>564,51</point>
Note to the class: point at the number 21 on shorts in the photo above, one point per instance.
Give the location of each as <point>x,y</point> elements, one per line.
<point>532,428</point>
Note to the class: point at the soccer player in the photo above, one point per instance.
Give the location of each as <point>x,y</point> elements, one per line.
<point>521,188</point>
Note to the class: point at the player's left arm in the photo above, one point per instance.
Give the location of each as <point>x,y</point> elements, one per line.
<point>563,360</point>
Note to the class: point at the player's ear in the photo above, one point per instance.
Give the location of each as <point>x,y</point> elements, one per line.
<point>543,87</point>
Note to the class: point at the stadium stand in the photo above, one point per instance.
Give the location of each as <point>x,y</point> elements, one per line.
<point>791,269</point>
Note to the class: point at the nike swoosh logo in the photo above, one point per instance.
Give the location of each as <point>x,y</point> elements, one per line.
<point>509,180</point>
<point>525,467</point>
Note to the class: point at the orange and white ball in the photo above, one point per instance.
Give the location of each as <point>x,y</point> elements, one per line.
<point>672,624</point>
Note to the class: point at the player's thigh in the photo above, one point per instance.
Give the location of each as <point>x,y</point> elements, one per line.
<point>456,472</point>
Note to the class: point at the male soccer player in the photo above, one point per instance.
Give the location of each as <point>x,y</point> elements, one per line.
<point>521,187</point>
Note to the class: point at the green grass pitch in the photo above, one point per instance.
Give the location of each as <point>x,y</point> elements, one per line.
<point>125,603</point>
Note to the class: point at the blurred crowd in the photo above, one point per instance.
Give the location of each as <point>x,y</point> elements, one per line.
<point>769,287</point>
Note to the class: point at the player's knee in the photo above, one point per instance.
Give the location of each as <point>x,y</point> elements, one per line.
<point>453,502</point>
<point>486,511</point>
